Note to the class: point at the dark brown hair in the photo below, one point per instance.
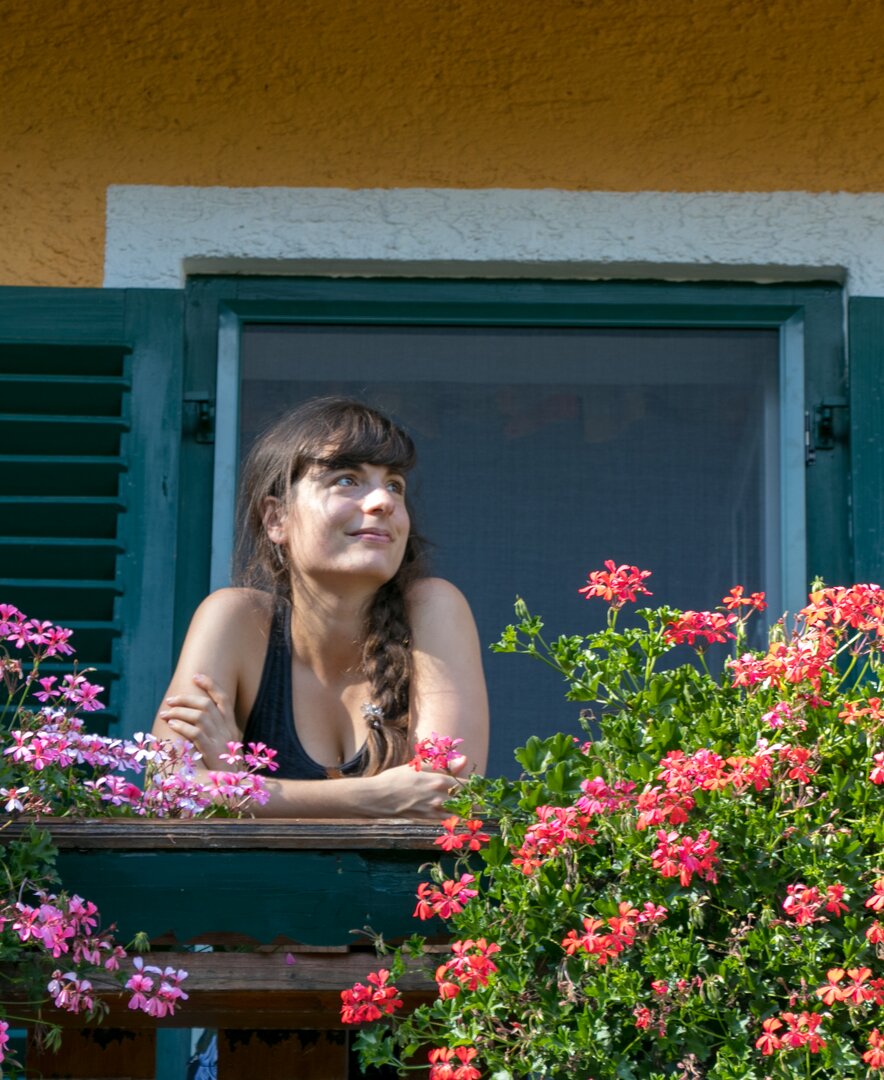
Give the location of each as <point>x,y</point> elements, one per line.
<point>339,432</point>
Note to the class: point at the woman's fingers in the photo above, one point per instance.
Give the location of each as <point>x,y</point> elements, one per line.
<point>204,717</point>
<point>182,713</point>
<point>186,730</point>
<point>441,787</point>
<point>190,701</point>
<point>212,696</point>
<point>214,691</point>
<point>457,765</point>
<point>190,715</point>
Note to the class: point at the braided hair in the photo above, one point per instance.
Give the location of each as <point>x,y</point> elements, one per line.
<point>343,433</point>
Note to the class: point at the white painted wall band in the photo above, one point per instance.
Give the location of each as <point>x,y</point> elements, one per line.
<point>157,235</point>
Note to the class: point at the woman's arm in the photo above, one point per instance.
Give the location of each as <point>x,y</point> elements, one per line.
<point>225,643</point>
<point>397,792</point>
<point>448,684</point>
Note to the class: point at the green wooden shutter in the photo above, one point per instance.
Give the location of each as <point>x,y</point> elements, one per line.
<point>65,418</point>
<point>866,330</point>
<point>90,419</point>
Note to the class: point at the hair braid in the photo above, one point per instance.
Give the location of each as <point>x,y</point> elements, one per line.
<point>386,661</point>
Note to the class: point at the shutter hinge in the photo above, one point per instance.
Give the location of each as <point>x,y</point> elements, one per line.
<point>199,416</point>
<point>821,428</point>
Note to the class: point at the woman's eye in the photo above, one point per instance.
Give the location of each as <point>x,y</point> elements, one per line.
<point>345,481</point>
<point>396,486</point>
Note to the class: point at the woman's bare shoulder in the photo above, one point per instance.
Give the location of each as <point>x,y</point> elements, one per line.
<point>234,601</point>
<point>236,613</point>
<point>438,611</point>
<point>431,597</point>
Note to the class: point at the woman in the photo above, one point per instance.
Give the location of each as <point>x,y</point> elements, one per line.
<point>336,651</point>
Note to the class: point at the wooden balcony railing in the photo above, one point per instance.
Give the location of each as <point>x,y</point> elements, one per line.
<point>268,917</point>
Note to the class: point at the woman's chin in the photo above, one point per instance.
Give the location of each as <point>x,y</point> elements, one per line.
<point>362,573</point>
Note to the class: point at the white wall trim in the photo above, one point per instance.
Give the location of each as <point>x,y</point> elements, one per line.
<point>157,235</point>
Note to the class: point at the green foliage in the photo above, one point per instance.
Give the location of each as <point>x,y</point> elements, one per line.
<point>748,805</point>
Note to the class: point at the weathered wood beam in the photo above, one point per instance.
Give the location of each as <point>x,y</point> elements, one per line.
<point>232,834</point>
<point>269,990</point>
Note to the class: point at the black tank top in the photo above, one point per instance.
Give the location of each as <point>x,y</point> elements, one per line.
<point>272,719</point>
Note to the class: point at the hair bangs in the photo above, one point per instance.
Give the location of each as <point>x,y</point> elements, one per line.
<point>355,436</point>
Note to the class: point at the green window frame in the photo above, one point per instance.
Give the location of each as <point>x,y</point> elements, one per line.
<point>866,424</point>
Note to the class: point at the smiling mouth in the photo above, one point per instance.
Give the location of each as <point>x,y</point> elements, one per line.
<point>372,534</point>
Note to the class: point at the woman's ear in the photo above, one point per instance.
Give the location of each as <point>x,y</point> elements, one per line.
<point>273,518</point>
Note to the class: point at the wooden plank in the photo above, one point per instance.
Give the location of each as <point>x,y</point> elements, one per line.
<point>313,897</point>
<point>154,325</point>
<point>254,1009</point>
<point>229,834</point>
<point>61,316</point>
<point>866,326</point>
<point>289,970</point>
<point>262,990</point>
<point>196,460</point>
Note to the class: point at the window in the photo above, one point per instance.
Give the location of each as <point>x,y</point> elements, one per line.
<point>558,425</point>
<point>544,448</point>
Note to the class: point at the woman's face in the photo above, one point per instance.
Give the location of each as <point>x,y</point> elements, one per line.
<point>351,521</point>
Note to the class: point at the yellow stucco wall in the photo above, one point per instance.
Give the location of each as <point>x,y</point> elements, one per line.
<point>626,95</point>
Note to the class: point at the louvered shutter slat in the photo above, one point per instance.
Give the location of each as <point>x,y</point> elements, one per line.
<point>64,415</point>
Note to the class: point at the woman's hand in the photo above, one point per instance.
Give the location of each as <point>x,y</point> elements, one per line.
<point>404,792</point>
<point>205,718</point>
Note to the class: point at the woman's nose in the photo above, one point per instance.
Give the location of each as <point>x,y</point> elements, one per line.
<point>379,500</point>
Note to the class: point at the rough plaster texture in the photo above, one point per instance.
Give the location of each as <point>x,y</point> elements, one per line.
<point>584,95</point>
<point>156,235</point>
